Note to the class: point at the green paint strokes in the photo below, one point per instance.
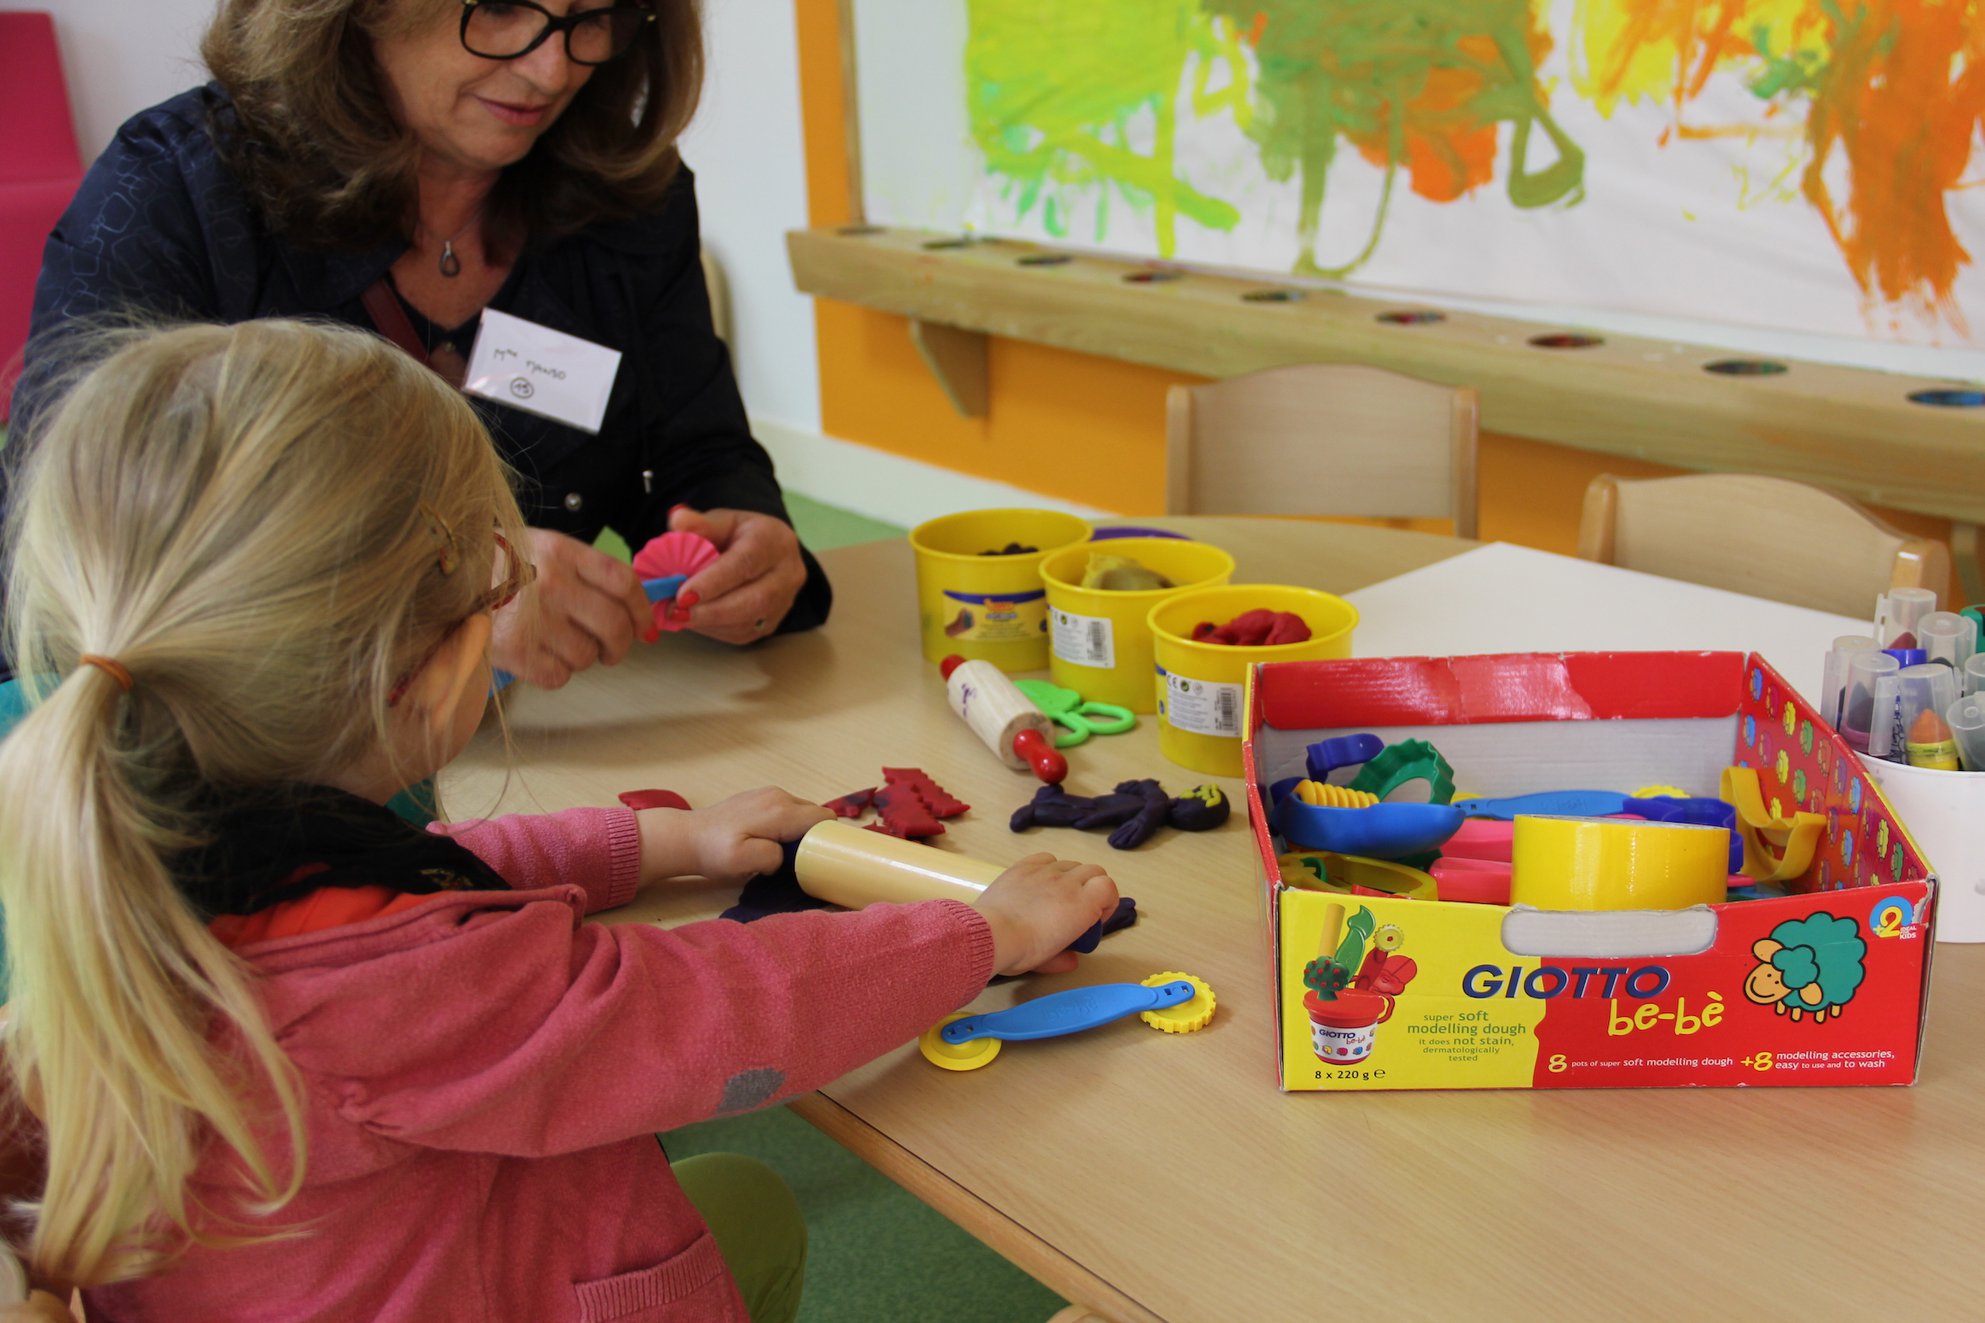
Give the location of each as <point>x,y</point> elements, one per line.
<point>1058,92</point>
<point>1413,85</point>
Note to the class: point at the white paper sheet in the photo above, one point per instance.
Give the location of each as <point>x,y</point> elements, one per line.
<point>1504,598</point>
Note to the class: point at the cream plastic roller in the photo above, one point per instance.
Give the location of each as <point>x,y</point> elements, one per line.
<point>853,867</point>
<point>1001,716</point>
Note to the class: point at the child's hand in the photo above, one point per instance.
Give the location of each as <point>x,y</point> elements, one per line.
<point>739,837</point>
<point>1040,905</point>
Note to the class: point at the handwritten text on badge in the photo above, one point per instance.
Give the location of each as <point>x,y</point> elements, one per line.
<point>532,367</point>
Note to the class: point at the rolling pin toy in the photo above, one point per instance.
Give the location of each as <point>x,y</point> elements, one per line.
<point>852,867</point>
<point>999,714</point>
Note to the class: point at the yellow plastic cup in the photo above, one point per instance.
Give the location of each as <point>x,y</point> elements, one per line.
<point>1201,686</point>
<point>988,608</point>
<point>1100,641</point>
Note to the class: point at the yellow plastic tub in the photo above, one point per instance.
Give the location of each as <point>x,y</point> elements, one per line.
<point>1101,640</point>
<point>1200,686</point>
<point>988,608</point>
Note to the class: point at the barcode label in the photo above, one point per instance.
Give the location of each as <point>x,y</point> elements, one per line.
<point>1202,706</point>
<point>1083,640</point>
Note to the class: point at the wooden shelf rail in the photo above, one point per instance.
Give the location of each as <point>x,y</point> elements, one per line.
<point>1855,430</point>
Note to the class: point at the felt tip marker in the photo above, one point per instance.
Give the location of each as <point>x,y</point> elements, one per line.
<point>1931,743</point>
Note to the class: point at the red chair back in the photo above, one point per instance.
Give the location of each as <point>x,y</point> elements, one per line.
<point>34,102</point>
<point>39,171</point>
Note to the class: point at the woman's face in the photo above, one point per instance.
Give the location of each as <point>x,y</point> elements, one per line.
<point>474,114</point>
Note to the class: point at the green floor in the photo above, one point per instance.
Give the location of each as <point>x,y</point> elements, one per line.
<point>876,1254</point>
<point>820,527</point>
<point>825,526</point>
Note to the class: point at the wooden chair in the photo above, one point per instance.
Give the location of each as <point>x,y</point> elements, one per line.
<point>1769,537</point>
<point>720,297</point>
<point>1322,439</point>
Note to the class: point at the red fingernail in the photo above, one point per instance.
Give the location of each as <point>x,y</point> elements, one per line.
<point>677,506</point>
<point>654,632</point>
<point>687,600</point>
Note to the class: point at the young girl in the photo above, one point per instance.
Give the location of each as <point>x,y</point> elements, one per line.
<point>290,1058</point>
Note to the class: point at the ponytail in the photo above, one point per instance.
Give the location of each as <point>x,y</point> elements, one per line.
<point>234,524</point>
<point>116,988</point>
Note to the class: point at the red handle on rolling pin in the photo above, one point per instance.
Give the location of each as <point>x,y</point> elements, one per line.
<point>1047,762</point>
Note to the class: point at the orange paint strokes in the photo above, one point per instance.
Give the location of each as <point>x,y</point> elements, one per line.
<point>1894,106</point>
<point>1449,129</point>
<point>1889,96</point>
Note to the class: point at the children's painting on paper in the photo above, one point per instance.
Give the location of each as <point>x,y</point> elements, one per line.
<point>1805,164</point>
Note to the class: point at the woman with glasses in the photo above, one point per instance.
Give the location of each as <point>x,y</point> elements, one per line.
<point>494,185</point>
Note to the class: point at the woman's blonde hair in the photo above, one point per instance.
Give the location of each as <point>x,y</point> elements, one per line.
<point>245,519</point>
<point>313,139</point>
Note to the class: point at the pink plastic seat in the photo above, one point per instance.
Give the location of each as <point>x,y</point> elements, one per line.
<point>39,171</point>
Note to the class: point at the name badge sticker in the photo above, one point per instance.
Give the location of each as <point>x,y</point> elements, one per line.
<point>542,371</point>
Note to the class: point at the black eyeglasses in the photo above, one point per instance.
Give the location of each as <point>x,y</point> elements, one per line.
<point>511,29</point>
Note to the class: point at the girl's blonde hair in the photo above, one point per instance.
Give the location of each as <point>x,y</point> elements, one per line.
<point>250,521</point>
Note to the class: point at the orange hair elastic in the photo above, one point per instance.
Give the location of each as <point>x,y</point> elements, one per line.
<point>110,667</point>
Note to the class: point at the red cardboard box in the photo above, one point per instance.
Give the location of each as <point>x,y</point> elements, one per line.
<point>1826,985</point>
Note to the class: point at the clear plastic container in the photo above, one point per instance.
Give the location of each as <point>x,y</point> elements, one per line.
<point>1899,610</point>
<point>1974,674</point>
<point>1833,678</point>
<point>1947,637</point>
<point>1966,718</point>
<point>1908,716</point>
<point>1864,669</point>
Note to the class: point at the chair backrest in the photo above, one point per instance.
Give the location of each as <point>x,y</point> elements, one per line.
<point>1322,439</point>
<point>34,102</point>
<point>1768,537</point>
<point>720,298</point>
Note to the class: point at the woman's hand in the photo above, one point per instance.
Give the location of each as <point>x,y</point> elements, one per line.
<point>747,590</point>
<point>1040,905</point>
<point>585,607</point>
<point>733,839</point>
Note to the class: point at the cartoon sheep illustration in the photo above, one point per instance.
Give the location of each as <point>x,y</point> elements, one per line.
<point>1808,966</point>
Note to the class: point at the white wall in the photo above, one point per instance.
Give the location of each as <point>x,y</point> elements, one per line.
<point>750,168</point>
<point>121,56</point>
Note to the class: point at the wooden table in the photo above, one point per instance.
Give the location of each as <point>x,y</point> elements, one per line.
<point>1153,1176</point>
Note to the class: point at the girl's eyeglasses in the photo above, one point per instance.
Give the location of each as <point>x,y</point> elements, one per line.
<point>512,29</point>
<point>518,575</point>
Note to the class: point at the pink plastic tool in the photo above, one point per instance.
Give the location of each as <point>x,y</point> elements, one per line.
<point>676,556</point>
<point>1481,838</point>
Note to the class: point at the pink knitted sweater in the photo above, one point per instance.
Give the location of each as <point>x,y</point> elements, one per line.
<point>484,1075</point>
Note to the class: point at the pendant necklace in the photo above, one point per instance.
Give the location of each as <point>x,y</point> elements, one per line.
<point>451,265</point>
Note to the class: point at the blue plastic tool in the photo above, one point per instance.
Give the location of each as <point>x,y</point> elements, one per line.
<point>1172,1001</point>
<point>664,588</point>
<point>1558,803</point>
<point>1068,1012</point>
<point>1326,756</point>
<point>1379,831</point>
